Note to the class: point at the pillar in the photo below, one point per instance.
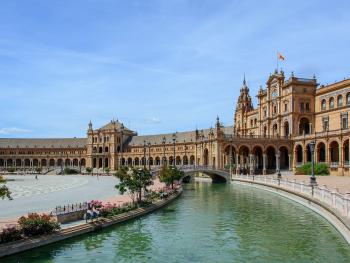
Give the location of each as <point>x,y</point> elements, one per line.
<point>264,163</point>
<point>251,164</point>
<point>290,162</point>
<point>277,161</point>
<point>237,165</point>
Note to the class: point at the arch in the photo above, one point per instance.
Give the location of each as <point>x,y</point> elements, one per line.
<point>9,162</point>
<point>321,152</point>
<point>243,158</point>
<point>18,162</point>
<point>75,162</point>
<point>323,104</point>
<point>299,153</point>
<point>205,157</point>
<point>94,150</point>
<point>52,162</point>
<point>83,162</point>
<point>348,98</point>
<point>106,149</point>
<point>171,159</point>
<point>59,162</point>
<point>67,162</point>
<point>192,160</point>
<point>94,163</point>
<point>229,149</point>
<point>2,162</point>
<point>150,161</point>
<point>304,126</point>
<point>130,161</point>
<point>157,160</point>
<point>275,129</point>
<point>340,101</point>
<point>334,152</point>
<point>258,157</point>
<point>100,149</point>
<point>331,103</point>
<point>35,162</point>
<point>43,162</point>
<point>265,131</point>
<point>284,158</point>
<point>286,129</point>
<point>308,153</point>
<point>100,162</point>
<point>106,164</point>
<point>346,152</point>
<point>185,160</point>
<point>123,161</point>
<point>271,157</point>
<point>178,160</point>
<point>143,161</point>
<point>137,161</point>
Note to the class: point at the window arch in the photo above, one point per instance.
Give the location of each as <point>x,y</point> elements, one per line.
<point>323,104</point>
<point>331,103</point>
<point>348,98</point>
<point>340,101</point>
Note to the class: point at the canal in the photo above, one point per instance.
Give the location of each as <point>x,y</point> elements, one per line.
<point>208,223</point>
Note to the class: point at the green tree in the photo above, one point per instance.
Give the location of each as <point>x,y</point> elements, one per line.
<point>107,170</point>
<point>170,174</point>
<point>133,181</point>
<point>88,170</point>
<point>4,191</point>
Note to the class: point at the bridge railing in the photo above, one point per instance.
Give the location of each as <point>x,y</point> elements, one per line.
<point>330,197</point>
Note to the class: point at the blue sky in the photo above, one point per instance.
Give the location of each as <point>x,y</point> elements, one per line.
<point>158,66</point>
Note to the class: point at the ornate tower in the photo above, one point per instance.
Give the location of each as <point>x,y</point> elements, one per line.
<point>244,105</point>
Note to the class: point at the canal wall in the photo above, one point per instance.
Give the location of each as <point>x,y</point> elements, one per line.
<point>341,223</point>
<point>31,243</point>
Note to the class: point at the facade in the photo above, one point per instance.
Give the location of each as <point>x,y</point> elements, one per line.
<point>275,135</point>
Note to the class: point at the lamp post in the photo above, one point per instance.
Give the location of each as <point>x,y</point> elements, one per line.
<point>231,157</point>
<point>279,176</point>
<point>144,154</point>
<point>163,142</point>
<point>121,144</point>
<point>174,140</point>
<point>149,156</point>
<point>185,154</point>
<point>312,178</point>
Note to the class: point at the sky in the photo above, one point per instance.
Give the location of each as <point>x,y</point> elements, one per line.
<point>158,66</point>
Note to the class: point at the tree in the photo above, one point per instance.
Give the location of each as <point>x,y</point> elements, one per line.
<point>133,181</point>
<point>107,170</point>
<point>4,191</point>
<point>88,170</point>
<point>170,174</point>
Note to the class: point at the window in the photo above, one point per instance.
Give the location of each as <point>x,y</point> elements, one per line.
<point>251,123</point>
<point>285,107</point>
<point>348,98</point>
<point>307,106</point>
<point>344,120</point>
<point>325,123</point>
<point>275,109</point>
<point>340,101</point>
<point>265,112</point>
<point>331,103</point>
<point>302,106</point>
<point>323,104</point>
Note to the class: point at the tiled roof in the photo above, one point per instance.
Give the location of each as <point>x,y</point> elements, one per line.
<point>43,143</point>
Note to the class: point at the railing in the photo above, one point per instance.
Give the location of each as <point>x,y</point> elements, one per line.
<point>332,198</point>
<point>252,136</point>
<point>60,210</point>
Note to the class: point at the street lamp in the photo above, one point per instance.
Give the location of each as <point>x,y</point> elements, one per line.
<point>185,153</point>
<point>279,176</point>
<point>163,142</point>
<point>149,156</point>
<point>144,154</point>
<point>174,140</point>
<point>121,144</point>
<point>312,178</point>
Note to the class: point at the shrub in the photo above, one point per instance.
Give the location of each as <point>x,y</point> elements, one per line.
<point>109,210</point>
<point>95,203</point>
<point>88,170</point>
<point>70,171</point>
<point>11,169</point>
<point>10,233</point>
<point>35,224</point>
<point>320,169</point>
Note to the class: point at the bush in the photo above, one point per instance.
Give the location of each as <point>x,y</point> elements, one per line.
<point>11,169</point>
<point>70,171</point>
<point>35,224</point>
<point>227,166</point>
<point>109,210</point>
<point>88,170</point>
<point>9,234</point>
<point>320,169</point>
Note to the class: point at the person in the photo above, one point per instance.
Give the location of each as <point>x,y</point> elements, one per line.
<point>36,177</point>
<point>95,212</point>
<point>89,213</point>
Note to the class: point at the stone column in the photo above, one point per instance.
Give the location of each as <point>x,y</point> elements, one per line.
<point>237,165</point>
<point>277,161</point>
<point>290,162</point>
<point>305,155</point>
<point>264,163</point>
<point>251,164</point>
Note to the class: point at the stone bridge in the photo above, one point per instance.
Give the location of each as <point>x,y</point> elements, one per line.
<point>218,176</point>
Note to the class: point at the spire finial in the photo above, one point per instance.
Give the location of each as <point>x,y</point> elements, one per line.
<point>244,82</point>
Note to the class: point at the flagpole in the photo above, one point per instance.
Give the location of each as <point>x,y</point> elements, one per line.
<point>277,60</point>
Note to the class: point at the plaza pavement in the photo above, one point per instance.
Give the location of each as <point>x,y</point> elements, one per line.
<point>48,191</point>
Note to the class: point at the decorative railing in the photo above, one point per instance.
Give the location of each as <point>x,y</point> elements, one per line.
<point>253,136</point>
<point>331,198</point>
<point>60,210</point>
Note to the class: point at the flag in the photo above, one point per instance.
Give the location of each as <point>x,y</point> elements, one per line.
<point>280,56</point>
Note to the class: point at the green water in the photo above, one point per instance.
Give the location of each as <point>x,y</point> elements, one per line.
<point>208,223</point>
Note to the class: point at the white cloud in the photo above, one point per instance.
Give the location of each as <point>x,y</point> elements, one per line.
<point>13,130</point>
<point>153,120</point>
